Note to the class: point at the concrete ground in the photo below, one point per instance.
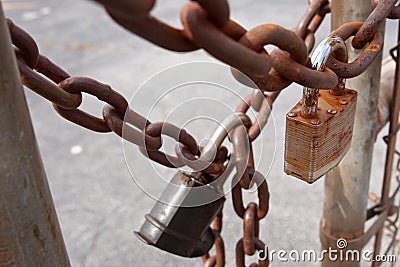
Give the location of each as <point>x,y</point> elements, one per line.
<point>98,203</point>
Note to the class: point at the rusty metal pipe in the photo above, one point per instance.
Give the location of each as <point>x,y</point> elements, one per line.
<point>385,94</point>
<point>347,185</point>
<point>30,234</point>
<point>391,147</point>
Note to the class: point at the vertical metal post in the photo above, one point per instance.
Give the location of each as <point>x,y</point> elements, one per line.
<point>30,234</point>
<point>394,121</point>
<point>347,185</point>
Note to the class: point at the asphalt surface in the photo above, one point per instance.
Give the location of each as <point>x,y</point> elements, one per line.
<point>98,202</point>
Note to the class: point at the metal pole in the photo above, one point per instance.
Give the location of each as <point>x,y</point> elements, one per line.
<point>30,234</point>
<point>385,94</point>
<point>347,185</point>
<point>394,121</point>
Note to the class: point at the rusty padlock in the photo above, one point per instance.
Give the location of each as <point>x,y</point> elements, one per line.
<point>319,128</point>
<point>179,222</point>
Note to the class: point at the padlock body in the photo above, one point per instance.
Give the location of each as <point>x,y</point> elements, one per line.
<point>175,226</point>
<point>316,145</point>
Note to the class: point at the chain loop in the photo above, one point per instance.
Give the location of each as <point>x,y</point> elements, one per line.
<point>264,104</point>
<point>46,88</point>
<point>180,135</point>
<point>123,128</point>
<point>135,17</point>
<point>250,228</point>
<point>206,35</point>
<point>147,26</point>
<point>313,26</point>
<point>52,71</point>
<point>314,9</point>
<point>241,154</point>
<point>370,26</point>
<point>129,9</point>
<point>394,13</point>
<point>25,43</point>
<point>301,74</point>
<point>102,91</point>
<point>262,193</point>
<point>193,161</point>
<point>218,10</point>
<point>240,255</point>
<point>363,60</point>
<point>217,260</point>
<point>266,34</point>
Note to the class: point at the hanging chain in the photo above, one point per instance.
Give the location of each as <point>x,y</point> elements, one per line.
<point>207,25</point>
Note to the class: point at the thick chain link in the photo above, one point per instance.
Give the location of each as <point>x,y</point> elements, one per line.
<point>207,24</point>
<point>47,79</point>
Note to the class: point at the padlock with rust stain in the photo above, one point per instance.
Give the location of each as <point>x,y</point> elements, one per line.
<point>179,222</point>
<point>319,128</point>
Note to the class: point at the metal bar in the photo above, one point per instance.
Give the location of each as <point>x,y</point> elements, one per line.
<point>391,146</point>
<point>30,234</point>
<point>385,94</point>
<point>347,185</point>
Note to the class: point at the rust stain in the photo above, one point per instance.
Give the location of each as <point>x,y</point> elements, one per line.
<point>312,149</point>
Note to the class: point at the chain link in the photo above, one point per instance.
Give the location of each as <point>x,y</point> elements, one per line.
<point>47,79</point>
<point>207,25</point>
<point>394,13</point>
<point>363,60</point>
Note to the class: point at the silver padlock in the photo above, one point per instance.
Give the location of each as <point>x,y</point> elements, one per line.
<point>179,222</point>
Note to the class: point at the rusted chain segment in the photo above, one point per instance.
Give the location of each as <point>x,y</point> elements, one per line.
<point>394,13</point>
<point>363,60</point>
<point>250,229</point>
<point>25,43</point>
<point>164,128</point>
<point>206,35</point>
<point>103,92</point>
<point>65,93</point>
<point>370,26</point>
<point>46,88</point>
<point>264,105</point>
<point>49,69</point>
<point>217,260</point>
<point>123,127</point>
<point>301,74</point>
<point>135,16</point>
<point>192,160</point>
<point>218,10</point>
<point>262,193</point>
<point>129,9</point>
<point>319,7</point>
<point>266,34</point>
<point>241,154</point>
<point>240,255</point>
<point>311,20</point>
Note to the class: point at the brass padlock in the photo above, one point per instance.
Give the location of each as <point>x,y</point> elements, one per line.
<point>319,128</point>
<point>179,222</point>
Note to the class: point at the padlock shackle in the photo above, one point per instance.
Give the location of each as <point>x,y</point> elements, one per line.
<point>332,45</point>
<point>220,134</point>
<point>217,138</point>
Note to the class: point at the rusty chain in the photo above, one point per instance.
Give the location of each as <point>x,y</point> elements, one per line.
<point>207,25</point>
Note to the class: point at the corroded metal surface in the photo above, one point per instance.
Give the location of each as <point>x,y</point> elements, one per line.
<point>314,146</point>
<point>30,233</point>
